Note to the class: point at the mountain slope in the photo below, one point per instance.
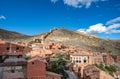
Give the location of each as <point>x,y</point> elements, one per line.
<point>67,37</point>
<point>82,40</point>
<point>8,35</point>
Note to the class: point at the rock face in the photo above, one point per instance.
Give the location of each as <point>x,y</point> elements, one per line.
<point>71,38</point>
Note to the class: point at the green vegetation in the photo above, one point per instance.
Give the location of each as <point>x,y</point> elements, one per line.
<point>100,66</point>
<point>109,68</point>
<point>58,63</point>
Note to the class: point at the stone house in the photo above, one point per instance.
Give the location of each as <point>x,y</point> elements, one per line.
<point>36,68</point>
<point>8,48</point>
<point>80,60</point>
<point>13,67</point>
<point>91,72</point>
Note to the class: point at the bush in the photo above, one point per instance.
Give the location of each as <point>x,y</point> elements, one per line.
<point>59,65</point>
<point>109,68</point>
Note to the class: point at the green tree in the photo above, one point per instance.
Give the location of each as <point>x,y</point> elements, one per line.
<point>58,64</point>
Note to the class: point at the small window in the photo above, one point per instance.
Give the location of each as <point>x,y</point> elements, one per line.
<point>17,48</point>
<point>33,63</point>
<point>7,48</point>
<point>79,61</point>
<point>84,61</point>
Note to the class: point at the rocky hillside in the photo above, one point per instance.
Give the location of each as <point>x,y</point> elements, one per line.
<point>82,40</point>
<point>9,35</point>
<point>67,37</point>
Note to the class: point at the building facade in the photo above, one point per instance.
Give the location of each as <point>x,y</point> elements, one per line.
<point>36,68</point>
<point>80,60</point>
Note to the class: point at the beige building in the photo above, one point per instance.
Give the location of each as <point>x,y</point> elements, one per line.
<point>81,60</point>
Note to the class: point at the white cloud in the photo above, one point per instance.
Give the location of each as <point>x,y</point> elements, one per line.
<point>113,29</point>
<point>81,30</point>
<point>54,1</point>
<point>73,3</point>
<point>100,28</point>
<point>112,21</point>
<point>97,28</point>
<point>79,3</point>
<point>113,26</point>
<point>2,17</point>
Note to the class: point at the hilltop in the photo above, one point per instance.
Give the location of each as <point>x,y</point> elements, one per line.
<point>81,40</point>
<point>70,38</point>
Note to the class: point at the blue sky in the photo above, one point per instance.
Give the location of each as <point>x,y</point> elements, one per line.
<point>97,17</point>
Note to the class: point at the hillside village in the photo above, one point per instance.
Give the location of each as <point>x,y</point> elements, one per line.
<point>42,58</point>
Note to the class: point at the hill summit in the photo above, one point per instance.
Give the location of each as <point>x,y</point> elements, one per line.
<point>70,38</point>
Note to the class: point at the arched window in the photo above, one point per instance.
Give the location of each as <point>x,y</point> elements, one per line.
<point>79,61</point>
<point>85,60</point>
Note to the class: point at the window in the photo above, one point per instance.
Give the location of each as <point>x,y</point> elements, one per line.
<point>76,58</point>
<point>7,48</point>
<point>33,63</point>
<point>18,68</point>
<point>17,48</point>
<point>79,61</point>
<point>84,61</point>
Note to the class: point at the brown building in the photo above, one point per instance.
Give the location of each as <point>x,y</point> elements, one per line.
<point>108,59</point>
<point>36,68</point>
<point>80,60</point>
<point>91,72</point>
<point>98,58</point>
<point>118,58</point>
<point>10,48</point>
<point>13,67</point>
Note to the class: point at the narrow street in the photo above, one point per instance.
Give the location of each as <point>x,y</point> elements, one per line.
<point>71,74</point>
